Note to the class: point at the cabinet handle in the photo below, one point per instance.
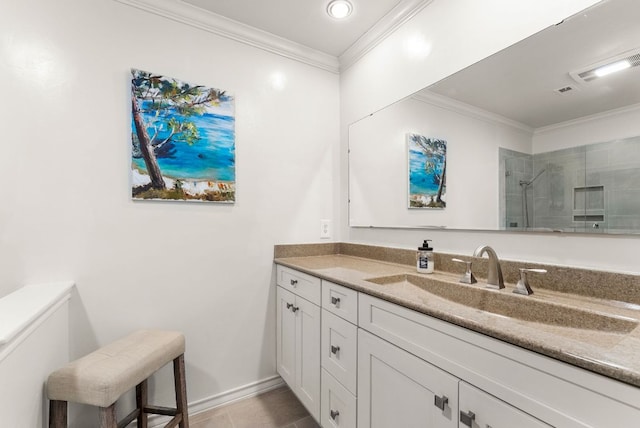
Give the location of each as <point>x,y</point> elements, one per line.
<point>467,418</point>
<point>295,309</point>
<point>294,282</point>
<point>334,414</point>
<point>335,349</point>
<point>335,301</point>
<point>440,402</point>
<point>289,305</point>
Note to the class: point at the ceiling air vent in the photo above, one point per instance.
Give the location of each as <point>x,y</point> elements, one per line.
<point>565,90</point>
<point>587,74</point>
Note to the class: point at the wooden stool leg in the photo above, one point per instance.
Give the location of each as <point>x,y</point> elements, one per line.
<point>181,390</point>
<point>57,414</point>
<point>141,402</point>
<point>108,417</point>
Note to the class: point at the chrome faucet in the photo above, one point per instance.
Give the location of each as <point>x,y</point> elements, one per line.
<point>494,276</point>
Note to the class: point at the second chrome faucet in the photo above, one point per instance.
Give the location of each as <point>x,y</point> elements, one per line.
<point>494,272</point>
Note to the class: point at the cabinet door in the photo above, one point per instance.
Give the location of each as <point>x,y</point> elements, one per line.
<point>308,355</point>
<point>286,336</point>
<point>481,410</point>
<point>398,389</point>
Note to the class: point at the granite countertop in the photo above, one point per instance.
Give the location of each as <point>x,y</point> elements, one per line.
<point>596,333</point>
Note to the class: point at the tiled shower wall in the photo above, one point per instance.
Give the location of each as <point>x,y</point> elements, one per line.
<point>593,188</point>
<point>615,166</point>
<point>553,192</point>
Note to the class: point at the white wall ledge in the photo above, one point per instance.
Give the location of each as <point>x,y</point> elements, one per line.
<point>24,309</point>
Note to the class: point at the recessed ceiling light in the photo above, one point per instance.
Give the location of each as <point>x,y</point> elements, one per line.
<point>612,68</point>
<point>339,9</point>
<point>622,61</point>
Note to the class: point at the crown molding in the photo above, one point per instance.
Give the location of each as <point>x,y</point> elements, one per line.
<point>469,110</point>
<point>581,120</point>
<point>401,13</point>
<point>193,16</point>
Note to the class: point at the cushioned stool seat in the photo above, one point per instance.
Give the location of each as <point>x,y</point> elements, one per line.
<point>100,378</point>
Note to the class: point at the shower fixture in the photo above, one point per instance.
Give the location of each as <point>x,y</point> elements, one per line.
<point>525,204</point>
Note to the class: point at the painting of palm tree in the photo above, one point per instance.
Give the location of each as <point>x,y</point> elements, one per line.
<point>427,172</point>
<point>182,140</point>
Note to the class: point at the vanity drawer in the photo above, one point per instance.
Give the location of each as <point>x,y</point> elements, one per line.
<point>338,404</point>
<point>339,349</point>
<point>340,300</point>
<point>299,283</point>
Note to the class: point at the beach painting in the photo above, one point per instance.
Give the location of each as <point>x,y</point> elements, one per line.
<point>183,140</point>
<point>427,163</point>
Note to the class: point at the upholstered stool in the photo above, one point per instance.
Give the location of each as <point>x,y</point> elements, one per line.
<point>100,378</point>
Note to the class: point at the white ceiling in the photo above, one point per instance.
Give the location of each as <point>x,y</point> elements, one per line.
<point>519,82</point>
<point>304,21</point>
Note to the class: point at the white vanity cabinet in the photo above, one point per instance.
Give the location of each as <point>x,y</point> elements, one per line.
<point>298,338</point>
<point>339,356</point>
<point>397,389</point>
<point>371,363</point>
<point>534,388</point>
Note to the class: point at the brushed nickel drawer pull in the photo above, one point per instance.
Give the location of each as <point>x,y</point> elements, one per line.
<point>440,402</point>
<point>467,418</point>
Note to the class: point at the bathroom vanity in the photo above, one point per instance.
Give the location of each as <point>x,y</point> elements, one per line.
<point>365,341</point>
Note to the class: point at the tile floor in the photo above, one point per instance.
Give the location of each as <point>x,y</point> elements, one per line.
<point>278,408</point>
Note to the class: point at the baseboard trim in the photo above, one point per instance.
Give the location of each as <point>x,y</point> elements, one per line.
<point>227,397</point>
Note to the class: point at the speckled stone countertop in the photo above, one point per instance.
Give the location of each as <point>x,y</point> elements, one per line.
<point>590,319</point>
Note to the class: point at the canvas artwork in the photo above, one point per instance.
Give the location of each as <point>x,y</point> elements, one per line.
<point>427,172</point>
<point>183,140</point>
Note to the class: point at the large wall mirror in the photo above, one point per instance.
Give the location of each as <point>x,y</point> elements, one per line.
<point>542,136</point>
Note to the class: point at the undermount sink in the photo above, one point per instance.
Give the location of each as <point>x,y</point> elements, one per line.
<point>507,304</point>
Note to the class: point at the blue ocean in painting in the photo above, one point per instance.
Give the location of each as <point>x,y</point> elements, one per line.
<point>420,181</point>
<point>212,157</point>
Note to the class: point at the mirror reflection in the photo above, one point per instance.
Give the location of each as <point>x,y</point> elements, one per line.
<point>539,136</point>
<point>593,188</point>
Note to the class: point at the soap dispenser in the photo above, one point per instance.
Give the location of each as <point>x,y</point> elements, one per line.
<point>424,258</point>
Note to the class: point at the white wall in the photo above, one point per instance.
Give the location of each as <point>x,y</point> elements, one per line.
<point>460,32</point>
<point>66,210</point>
<point>378,164</point>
